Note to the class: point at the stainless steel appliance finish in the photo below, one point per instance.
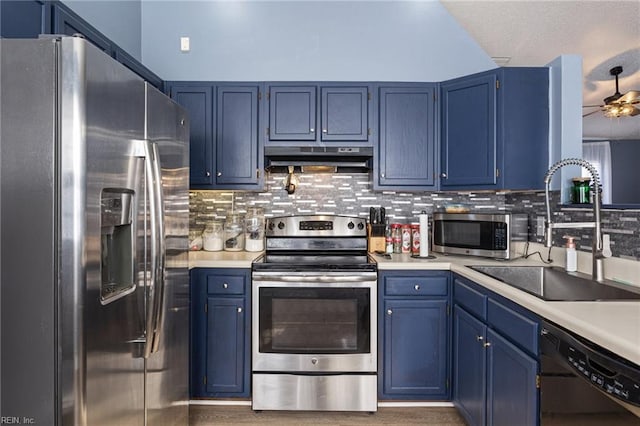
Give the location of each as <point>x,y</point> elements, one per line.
<point>94,191</point>
<point>473,234</point>
<point>577,376</point>
<point>555,284</point>
<point>314,316</point>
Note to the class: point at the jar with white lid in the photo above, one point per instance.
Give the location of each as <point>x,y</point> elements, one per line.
<point>254,229</point>
<point>234,232</point>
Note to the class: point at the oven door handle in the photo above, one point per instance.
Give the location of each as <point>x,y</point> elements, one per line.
<point>356,278</point>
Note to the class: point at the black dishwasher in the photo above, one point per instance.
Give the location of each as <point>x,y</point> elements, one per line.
<point>580,378</point>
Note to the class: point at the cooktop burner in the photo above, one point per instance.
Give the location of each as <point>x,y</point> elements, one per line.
<point>302,262</point>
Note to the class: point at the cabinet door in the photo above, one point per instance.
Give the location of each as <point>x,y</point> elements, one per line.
<point>238,160</point>
<point>512,394</point>
<point>469,144</point>
<point>469,366</point>
<point>68,23</point>
<point>198,101</point>
<point>345,113</point>
<point>415,349</point>
<point>406,148</point>
<point>24,18</point>
<point>292,113</point>
<point>225,345</point>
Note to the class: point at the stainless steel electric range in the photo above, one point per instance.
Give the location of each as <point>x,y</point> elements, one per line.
<point>314,316</point>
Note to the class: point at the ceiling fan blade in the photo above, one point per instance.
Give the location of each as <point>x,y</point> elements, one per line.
<point>589,113</point>
<point>635,111</point>
<point>630,97</point>
<point>592,106</point>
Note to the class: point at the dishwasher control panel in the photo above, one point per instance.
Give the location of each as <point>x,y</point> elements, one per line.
<point>607,371</point>
<point>614,382</point>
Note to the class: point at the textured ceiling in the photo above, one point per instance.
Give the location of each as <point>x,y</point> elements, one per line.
<point>534,32</point>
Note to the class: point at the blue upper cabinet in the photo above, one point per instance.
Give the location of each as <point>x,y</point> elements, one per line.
<point>226,152</point>
<point>495,130</point>
<point>319,114</point>
<point>468,146</point>
<point>24,19</point>
<point>345,113</point>
<point>239,159</point>
<point>292,113</point>
<point>67,22</point>
<point>198,101</point>
<point>405,154</point>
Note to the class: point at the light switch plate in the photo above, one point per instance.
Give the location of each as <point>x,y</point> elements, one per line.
<point>184,44</point>
<point>540,226</point>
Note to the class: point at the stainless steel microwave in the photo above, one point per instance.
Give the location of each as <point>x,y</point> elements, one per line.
<point>487,235</point>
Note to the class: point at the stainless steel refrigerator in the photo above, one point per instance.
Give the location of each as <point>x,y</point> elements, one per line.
<point>94,283</point>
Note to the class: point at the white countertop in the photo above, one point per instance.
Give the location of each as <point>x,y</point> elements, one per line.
<point>612,325</point>
<point>222,259</point>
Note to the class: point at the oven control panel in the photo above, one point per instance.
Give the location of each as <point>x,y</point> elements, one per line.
<point>316,226</point>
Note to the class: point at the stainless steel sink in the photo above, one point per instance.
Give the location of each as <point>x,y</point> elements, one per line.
<point>555,284</point>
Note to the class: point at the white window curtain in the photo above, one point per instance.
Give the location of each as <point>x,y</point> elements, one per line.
<point>599,154</point>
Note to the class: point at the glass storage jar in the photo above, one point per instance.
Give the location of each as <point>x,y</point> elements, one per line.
<point>212,236</point>
<point>234,232</point>
<point>254,229</point>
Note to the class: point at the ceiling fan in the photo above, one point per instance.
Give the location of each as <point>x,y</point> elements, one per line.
<point>618,105</point>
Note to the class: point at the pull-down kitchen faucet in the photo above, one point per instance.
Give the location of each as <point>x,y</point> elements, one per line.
<point>599,248</point>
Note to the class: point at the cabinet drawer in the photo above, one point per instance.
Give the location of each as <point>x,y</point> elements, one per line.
<point>415,286</point>
<point>518,328</point>
<point>471,299</point>
<point>225,284</point>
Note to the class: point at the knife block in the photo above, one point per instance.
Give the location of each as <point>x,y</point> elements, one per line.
<point>376,237</point>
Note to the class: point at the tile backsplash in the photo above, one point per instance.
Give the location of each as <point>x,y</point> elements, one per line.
<point>352,194</point>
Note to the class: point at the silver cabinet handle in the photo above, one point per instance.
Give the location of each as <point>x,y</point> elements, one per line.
<point>381,175</point>
<point>207,174</point>
<point>444,175</point>
<point>486,345</point>
<point>389,311</point>
<point>480,338</point>
<point>239,310</point>
<point>312,130</point>
<point>417,287</point>
<point>324,130</point>
<point>219,174</point>
<point>225,285</point>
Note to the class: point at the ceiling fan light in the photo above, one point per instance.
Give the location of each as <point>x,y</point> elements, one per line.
<point>626,110</point>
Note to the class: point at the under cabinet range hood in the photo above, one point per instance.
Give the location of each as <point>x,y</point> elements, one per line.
<point>314,158</point>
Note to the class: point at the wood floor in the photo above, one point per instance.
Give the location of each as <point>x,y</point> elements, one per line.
<point>206,415</point>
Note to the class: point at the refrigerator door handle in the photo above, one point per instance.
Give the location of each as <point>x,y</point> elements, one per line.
<point>159,260</point>
<point>149,151</point>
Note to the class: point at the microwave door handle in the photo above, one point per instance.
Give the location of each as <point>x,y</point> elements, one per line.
<point>155,286</point>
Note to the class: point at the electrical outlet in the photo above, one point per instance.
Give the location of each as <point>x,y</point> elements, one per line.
<point>184,44</point>
<point>540,226</point>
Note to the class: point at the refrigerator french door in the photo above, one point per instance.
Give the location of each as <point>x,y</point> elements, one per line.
<point>93,229</point>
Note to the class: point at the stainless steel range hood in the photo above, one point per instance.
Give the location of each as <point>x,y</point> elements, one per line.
<point>341,159</point>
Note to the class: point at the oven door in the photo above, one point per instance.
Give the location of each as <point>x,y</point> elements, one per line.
<point>314,321</point>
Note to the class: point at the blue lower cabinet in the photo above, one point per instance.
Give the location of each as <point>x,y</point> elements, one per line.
<point>220,333</point>
<point>225,345</point>
<point>495,360</point>
<point>414,329</point>
<point>469,366</point>
<point>512,394</point>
